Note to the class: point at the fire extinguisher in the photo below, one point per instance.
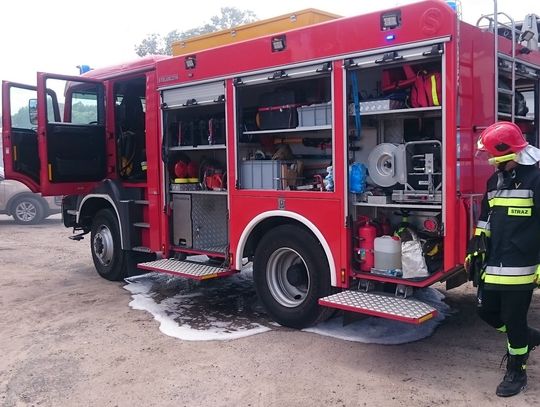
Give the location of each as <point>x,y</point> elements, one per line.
<point>367,232</point>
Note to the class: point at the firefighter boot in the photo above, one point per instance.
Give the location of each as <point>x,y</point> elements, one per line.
<point>515,379</point>
<point>534,338</point>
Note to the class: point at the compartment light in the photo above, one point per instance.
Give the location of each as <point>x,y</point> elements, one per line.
<point>190,62</point>
<point>390,37</point>
<point>279,43</point>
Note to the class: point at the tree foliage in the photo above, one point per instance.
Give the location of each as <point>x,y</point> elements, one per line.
<point>81,113</point>
<point>21,119</point>
<point>162,44</point>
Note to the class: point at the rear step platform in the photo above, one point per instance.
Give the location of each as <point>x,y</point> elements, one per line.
<point>189,269</point>
<point>385,306</point>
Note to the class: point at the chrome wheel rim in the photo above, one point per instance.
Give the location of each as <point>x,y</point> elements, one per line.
<point>103,245</point>
<point>288,277</point>
<point>25,211</point>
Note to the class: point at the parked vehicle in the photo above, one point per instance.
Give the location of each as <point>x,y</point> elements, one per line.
<point>26,207</point>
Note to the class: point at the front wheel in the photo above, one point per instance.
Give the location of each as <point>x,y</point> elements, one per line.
<point>291,273</point>
<point>109,258</point>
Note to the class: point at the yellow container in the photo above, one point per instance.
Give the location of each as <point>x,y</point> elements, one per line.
<point>259,28</point>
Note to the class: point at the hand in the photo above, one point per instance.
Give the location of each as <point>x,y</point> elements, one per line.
<point>536,280</point>
<point>467,262</point>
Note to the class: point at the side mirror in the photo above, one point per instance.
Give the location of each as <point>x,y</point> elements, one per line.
<point>32,111</point>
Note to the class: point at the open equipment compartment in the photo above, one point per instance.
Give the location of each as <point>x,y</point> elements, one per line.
<point>195,165</point>
<point>396,142</point>
<point>284,127</point>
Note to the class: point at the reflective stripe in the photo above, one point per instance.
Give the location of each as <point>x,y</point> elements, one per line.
<point>511,271</point>
<point>483,225</point>
<point>502,329</point>
<point>509,280</point>
<point>519,211</point>
<point>434,91</point>
<point>520,202</point>
<point>517,351</point>
<point>479,231</point>
<point>511,193</point>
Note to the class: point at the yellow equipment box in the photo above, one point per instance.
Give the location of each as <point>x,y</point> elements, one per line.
<point>260,28</point>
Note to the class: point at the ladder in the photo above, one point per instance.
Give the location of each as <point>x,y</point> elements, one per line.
<point>503,60</point>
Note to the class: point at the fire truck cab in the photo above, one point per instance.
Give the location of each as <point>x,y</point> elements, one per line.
<point>339,158</point>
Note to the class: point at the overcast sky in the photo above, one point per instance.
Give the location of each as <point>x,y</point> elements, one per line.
<point>57,35</point>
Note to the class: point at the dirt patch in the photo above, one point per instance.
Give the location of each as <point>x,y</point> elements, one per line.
<point>69,338</point>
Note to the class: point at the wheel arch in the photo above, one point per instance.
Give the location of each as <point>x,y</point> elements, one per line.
<point>91,204</point>
<point>265,221</point>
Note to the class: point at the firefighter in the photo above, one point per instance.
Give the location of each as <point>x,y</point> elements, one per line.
<point>503,256</point>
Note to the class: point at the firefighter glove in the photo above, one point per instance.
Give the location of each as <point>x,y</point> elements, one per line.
<point>475,262</point>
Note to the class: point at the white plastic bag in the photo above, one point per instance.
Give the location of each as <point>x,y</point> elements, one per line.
<point>412,260</point>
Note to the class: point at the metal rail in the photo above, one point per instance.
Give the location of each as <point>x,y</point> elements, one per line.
<point>494,24</point>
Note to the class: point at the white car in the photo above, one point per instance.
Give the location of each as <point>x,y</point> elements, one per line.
<point>26,207</point>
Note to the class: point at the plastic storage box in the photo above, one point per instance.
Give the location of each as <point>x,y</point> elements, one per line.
<point>315,115</point>
<point>260,174</point>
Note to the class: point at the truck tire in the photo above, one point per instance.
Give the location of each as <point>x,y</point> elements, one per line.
<point>291,273</point>
<point>27,210</point>
<point>109,258</point>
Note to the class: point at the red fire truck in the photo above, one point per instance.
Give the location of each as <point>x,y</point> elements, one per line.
<point>338,158</point>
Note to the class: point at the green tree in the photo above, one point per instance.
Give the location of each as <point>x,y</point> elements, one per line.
<point>21,119</point>
<point>162,44</point>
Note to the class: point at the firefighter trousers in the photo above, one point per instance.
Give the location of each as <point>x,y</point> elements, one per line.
<point>507,312</point>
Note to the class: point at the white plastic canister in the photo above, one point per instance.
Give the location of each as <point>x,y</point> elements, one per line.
<point>387,253</point>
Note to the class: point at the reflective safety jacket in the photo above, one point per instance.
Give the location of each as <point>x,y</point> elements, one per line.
<point>510,217</point>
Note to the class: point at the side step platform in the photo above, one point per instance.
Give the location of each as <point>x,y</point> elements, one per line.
<point>380,305</point>
<point>183,268</point>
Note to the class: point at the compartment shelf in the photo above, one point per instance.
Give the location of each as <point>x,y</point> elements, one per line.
<point>200,192</point>
<point>406,111</point>
<point>293,130</point>
<point>201,147</point>
<point>397,205</point>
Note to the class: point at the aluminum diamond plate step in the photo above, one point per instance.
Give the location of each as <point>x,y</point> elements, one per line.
<point>401,309</point>
<point>189,269</point>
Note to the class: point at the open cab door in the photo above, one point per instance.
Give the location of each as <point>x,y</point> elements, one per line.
<point>19,132</point>
<point>70,134</point>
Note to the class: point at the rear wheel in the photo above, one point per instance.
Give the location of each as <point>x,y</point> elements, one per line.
<point>28,210</point>
<point>291,273</point>
<point>109,258</point>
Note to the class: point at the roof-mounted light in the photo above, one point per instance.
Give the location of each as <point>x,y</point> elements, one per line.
<point>190,62</point>
<point>279,43</point>
<point>390,20</point>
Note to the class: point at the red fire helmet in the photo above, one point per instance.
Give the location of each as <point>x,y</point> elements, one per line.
<point>502,138</point>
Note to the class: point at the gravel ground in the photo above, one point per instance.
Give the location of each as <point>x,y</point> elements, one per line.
<point>69,338</point>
